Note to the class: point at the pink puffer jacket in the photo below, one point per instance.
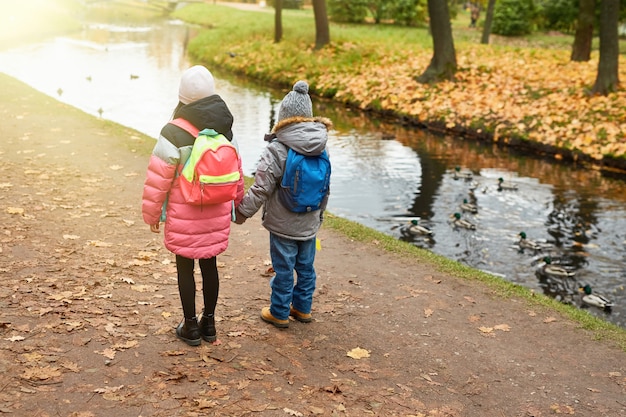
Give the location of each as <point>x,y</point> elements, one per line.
<point>195,232</point>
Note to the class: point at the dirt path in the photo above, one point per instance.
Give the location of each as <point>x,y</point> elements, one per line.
<point>89,304</point>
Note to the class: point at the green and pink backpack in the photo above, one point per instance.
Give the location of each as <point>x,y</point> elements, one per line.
<point>211,173</point>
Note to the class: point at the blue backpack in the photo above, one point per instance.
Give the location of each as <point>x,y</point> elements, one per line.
<point>305,181</point>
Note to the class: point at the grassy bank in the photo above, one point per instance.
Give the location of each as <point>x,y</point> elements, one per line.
<point>522,92</point>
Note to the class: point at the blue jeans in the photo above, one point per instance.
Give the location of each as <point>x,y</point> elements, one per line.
<point>289,255</point>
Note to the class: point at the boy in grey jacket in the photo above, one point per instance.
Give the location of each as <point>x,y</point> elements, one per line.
<point>292,235</point>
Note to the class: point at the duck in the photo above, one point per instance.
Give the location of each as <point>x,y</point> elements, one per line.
<point>414,228</point>
<point>555,271</point>
<point>594,299</point>
<point>505,185</point>
<point>467,206</point>
<point>525,243</point>
<point>459,222</point>
<point>465,175</point>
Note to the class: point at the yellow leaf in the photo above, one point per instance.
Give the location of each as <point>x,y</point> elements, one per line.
<point>503,327</point>
<point>358,353</point>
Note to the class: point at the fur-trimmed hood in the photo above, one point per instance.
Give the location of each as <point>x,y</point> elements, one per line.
<point>298,119</point>
<point>306,135</point>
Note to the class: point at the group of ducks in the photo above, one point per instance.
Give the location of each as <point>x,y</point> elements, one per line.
<point>562,279</point>
<point>557,275</point>
<point>414,227</point>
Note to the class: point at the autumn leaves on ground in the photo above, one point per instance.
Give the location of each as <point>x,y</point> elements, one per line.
<point>507,91</point>
<point>89,306</point>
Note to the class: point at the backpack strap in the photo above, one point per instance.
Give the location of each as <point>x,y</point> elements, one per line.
<point>186,125</point>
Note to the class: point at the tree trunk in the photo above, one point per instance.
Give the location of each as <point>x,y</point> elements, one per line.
<point>608,80</point>
<point>581,48</point>
<point>488,20</point>
<point>322,31</point>
<point>443,63</point>
<point>278,20</point>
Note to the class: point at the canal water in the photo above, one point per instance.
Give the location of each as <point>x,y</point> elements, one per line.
<point>383,174</point>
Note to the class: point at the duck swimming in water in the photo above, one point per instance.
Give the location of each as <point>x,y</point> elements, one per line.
<point>415,228</point>
<point>459,222</point>
<point>463,175</point>
<point>469,207</point>
<point>555,271</point>
<point>525,243</point>
<point>594,299</point>
<point>504,185</point>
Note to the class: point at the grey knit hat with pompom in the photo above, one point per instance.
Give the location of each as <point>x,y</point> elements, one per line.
<point>296,103</point>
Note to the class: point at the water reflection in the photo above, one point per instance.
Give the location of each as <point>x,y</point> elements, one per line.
<point>384,175</point>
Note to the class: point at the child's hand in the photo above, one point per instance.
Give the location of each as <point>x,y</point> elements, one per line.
<point>240,218</point>
<point>154,228</point>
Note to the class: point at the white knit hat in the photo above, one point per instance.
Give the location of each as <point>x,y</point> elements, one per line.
<point>197,82</point>
<point>296,103</point>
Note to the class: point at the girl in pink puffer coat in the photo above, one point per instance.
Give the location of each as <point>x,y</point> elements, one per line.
<point>190,232</point>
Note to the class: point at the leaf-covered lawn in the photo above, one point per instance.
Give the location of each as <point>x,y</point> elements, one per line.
<point>534,94</point>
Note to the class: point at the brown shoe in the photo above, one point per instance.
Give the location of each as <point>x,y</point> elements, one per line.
<point>267,317</point>
<point>301,317</point>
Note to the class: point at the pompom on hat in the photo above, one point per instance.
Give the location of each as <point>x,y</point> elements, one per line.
<point>196,82</point>
<point>297,102</point>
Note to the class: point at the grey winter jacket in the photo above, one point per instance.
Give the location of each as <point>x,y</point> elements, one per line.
<point>307,136</point>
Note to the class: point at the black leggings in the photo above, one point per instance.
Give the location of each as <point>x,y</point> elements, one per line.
<point>187,284</point>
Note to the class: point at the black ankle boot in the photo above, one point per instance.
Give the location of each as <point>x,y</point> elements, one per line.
<point>207,327</point>
<point>189,332</point>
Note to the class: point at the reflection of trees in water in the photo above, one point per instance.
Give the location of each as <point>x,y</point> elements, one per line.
<point>476,155</point>
<point>572,224</point>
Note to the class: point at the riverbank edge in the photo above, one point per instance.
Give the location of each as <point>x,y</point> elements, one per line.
<point>484,133</point>
<point>142,144</point>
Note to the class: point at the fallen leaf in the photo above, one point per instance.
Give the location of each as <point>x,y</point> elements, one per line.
<point>99,244</point>
<point>107,353</point>
<point>108,389</point>
<point>41,374</point>
<point>205,403</point>
<point>358,353</point>
<point>15,338</point>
